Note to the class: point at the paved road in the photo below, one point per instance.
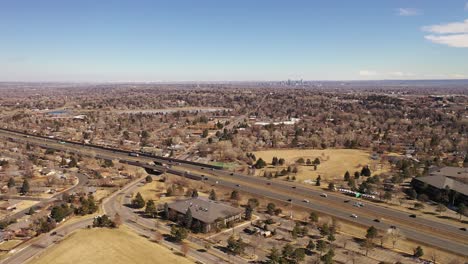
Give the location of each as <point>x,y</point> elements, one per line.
<point>415,229</point>
<point>409,232</point>
<point>41,243</point>
<point>82,179</point>
<point>146,226</point>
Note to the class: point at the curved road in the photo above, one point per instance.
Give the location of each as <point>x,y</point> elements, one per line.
<point>444,236</point>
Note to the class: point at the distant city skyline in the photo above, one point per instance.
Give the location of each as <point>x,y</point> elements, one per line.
<point>208,40</point>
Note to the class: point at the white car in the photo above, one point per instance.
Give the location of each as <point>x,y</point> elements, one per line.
<point>306,201</point>
<point>324,195</point>
<point>354,216</point>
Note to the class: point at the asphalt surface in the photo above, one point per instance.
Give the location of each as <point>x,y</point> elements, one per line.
<point>413,228</point>
<point>82,179</point>
<point>146,226</point>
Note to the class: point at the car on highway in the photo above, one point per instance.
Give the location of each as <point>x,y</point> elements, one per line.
<point>306,201</point>
<point>393,227</point>
<point>354,215</point>
<point>294,187</point>
<point>53,233</point>
<point>377,220</point>
<point>289,200</point>
<point>232,173</point>
<point>238,185</point>
<point>346,201</point>
<point>324,195</point>
<point>412,215</point>
<point>463,228</point>
<point>268,183</point>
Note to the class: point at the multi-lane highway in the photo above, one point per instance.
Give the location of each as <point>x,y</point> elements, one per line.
<point>434,233</point>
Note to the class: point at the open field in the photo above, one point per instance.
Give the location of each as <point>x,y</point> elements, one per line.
<point>111,246</point>
<point>333,162</point>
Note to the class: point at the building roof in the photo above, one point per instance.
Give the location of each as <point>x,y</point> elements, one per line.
<point>441,182</point>
<point>204,209</point>
<point>453,172</point>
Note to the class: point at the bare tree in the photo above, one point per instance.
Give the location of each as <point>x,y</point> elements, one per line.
<point>395,235</point>
<point>157,237</point>
<point>184,248</point>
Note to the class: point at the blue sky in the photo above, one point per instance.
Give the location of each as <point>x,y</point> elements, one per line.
<point>201,40</point>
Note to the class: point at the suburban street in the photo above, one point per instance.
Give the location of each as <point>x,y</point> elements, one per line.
<point>441,235</point>
<point>82,179</point>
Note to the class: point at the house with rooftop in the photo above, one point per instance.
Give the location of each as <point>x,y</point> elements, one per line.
<point>451,182</point>
<point>209,213</point>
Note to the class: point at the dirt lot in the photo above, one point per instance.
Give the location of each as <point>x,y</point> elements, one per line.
<point>92,246</point>
<point>333,162</point>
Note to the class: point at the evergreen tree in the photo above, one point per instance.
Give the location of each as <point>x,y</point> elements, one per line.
<point>275,256</point>
<point>138,202</point>
<point>166,211</point>
<point>356,175</point>
<point>328,258</point>
<point>313,217</point>
<point>248,212</point>
<point>347,176</point>
<point>418,252</point>
<point>310,246</point>
<point>235,195</point>
<point>188,219</point>
<point>371,233</point>
<point>366,171</point>
<point>212,195</point>
<point>321,246</point>
<point>11,183</point>
<point>260,164</point>
<point>150,208</point>
<point>25,187</point>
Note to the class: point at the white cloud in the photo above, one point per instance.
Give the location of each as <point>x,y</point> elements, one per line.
<point>455,40</point>
<point>401,74</point>
<point>408,12</point>
<point>367,73</point>
<point>457,76</point>
<point>450,34</point>
<point>450,28</point>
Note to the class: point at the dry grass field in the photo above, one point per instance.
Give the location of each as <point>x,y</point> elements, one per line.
<point>108,246</point>
<point>333,162</point>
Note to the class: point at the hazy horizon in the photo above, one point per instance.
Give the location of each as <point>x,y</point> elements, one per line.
<point>212,41</point>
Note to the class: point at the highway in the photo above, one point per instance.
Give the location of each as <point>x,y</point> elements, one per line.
<point>110,206</point>
<point>444,236</point>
